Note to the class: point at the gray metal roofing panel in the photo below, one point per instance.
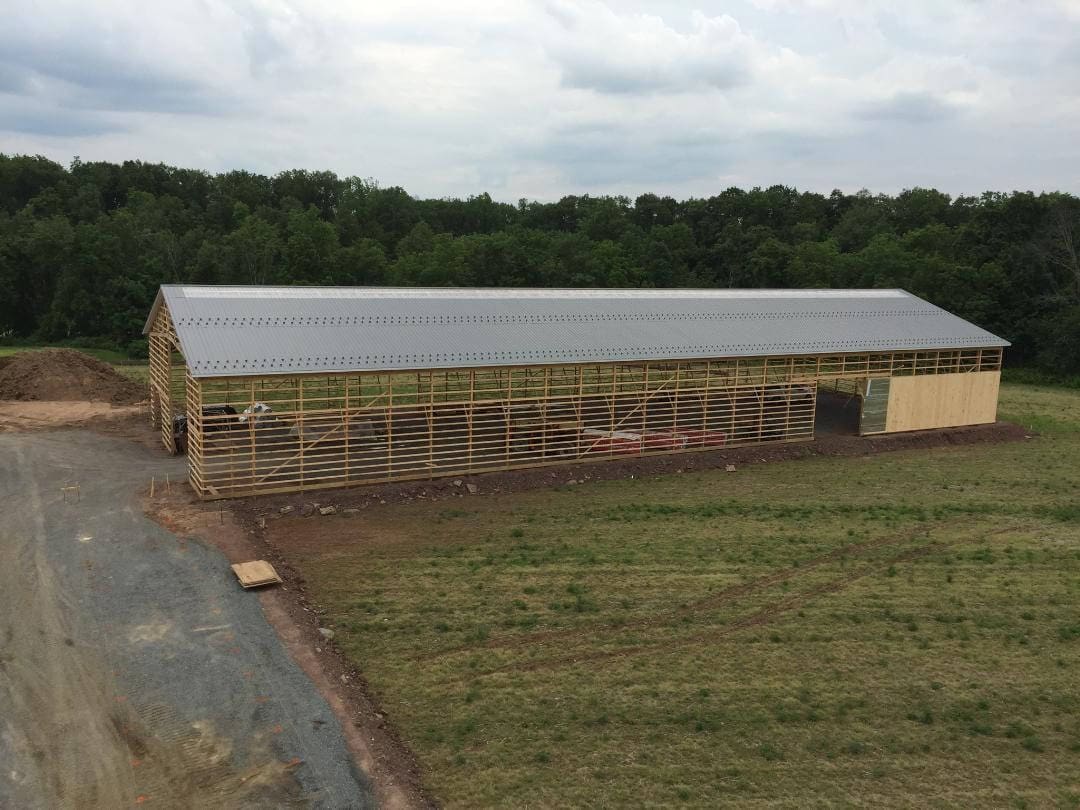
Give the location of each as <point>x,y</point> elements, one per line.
<point>231,331</point>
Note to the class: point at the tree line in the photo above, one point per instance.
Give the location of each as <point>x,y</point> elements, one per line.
<point>83,248</point>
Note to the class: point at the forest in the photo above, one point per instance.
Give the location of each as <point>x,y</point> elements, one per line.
<point>84,247</point>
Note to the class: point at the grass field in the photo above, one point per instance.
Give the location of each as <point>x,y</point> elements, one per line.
<point>897,630</point>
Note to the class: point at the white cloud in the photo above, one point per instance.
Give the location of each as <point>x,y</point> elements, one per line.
<point>596,48</point>
<point>546,97</point>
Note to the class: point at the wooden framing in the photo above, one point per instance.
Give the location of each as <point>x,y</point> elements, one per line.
<point>334,430</point>
<point>168,375</point>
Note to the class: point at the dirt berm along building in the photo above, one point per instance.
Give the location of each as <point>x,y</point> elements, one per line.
<point>283,389</point>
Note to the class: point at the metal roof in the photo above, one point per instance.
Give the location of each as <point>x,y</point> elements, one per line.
<point>234,331</point>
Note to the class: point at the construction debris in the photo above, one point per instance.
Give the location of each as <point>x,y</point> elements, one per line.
<point>256,573</point>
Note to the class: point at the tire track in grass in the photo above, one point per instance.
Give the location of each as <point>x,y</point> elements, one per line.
<point>755,619</point>
<point>723,598</point>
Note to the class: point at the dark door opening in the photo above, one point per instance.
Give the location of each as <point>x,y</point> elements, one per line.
<point>839,405</point>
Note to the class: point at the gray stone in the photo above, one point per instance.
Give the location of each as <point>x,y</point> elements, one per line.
<point>326,632</point>
<point>328,510</point>
<point>285,510</point>
<point>473,488</point>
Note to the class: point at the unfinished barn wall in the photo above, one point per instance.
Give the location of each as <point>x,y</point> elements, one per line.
<point>942,400</point>
<point>339,430</point>
<point>329,431</point>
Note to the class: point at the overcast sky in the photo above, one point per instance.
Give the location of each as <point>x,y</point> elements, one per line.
<point>540,98</point>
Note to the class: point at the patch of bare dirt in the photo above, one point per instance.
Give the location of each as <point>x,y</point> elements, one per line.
<point>65,375</point>
<point>27,416</point>
<point>373,741</point>
<point>131,422</point>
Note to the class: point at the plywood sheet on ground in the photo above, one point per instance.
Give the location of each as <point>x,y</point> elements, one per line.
<point>930,401</point>
<point>255,573</point>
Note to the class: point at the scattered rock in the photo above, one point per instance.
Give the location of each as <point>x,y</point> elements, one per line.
<point>326,632</point>
<point>285,510</point>
<point>729,467</point>
<point>457,482</point>
<point>307,509</point>
<point>328,510</point>
<point>344,678</point>
<point>473,488</point>
<point>261,523</point>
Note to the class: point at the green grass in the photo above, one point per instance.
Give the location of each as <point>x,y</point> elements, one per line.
<point>139,371</point>
<point>902,629</point>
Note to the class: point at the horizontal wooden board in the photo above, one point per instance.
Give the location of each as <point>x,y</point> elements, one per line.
<point>930,401</point>
<point>255,573</point>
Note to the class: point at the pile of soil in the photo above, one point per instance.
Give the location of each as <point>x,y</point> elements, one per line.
<point>65,375</point>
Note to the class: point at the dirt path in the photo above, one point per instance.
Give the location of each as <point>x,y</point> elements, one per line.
<point>133,670</point>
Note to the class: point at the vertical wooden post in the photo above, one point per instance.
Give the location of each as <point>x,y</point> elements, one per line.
<point>470,409</point>
<point>389,425</point>
<point>545,413</point>
<point>346,421</point>
<point>577,409</point>
<point>300,426</point>
<point>675,402</point>
<point>643,398</point>
<point>614,396</point>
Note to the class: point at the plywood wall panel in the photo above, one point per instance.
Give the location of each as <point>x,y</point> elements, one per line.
<point>930,401</point>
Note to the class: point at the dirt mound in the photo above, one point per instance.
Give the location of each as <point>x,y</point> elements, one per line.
<point>65,374</point>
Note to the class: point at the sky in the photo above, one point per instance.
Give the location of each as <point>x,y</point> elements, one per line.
<point>542,98</point>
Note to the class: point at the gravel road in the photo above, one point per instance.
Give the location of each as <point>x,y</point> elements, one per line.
<point>133,669</point>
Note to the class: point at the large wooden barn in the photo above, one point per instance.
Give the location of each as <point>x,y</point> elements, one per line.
<point>283,389</point>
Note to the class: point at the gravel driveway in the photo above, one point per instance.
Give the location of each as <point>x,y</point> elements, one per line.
<point>133,669</point>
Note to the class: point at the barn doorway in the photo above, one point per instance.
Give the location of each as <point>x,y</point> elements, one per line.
<point>839,407</point>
